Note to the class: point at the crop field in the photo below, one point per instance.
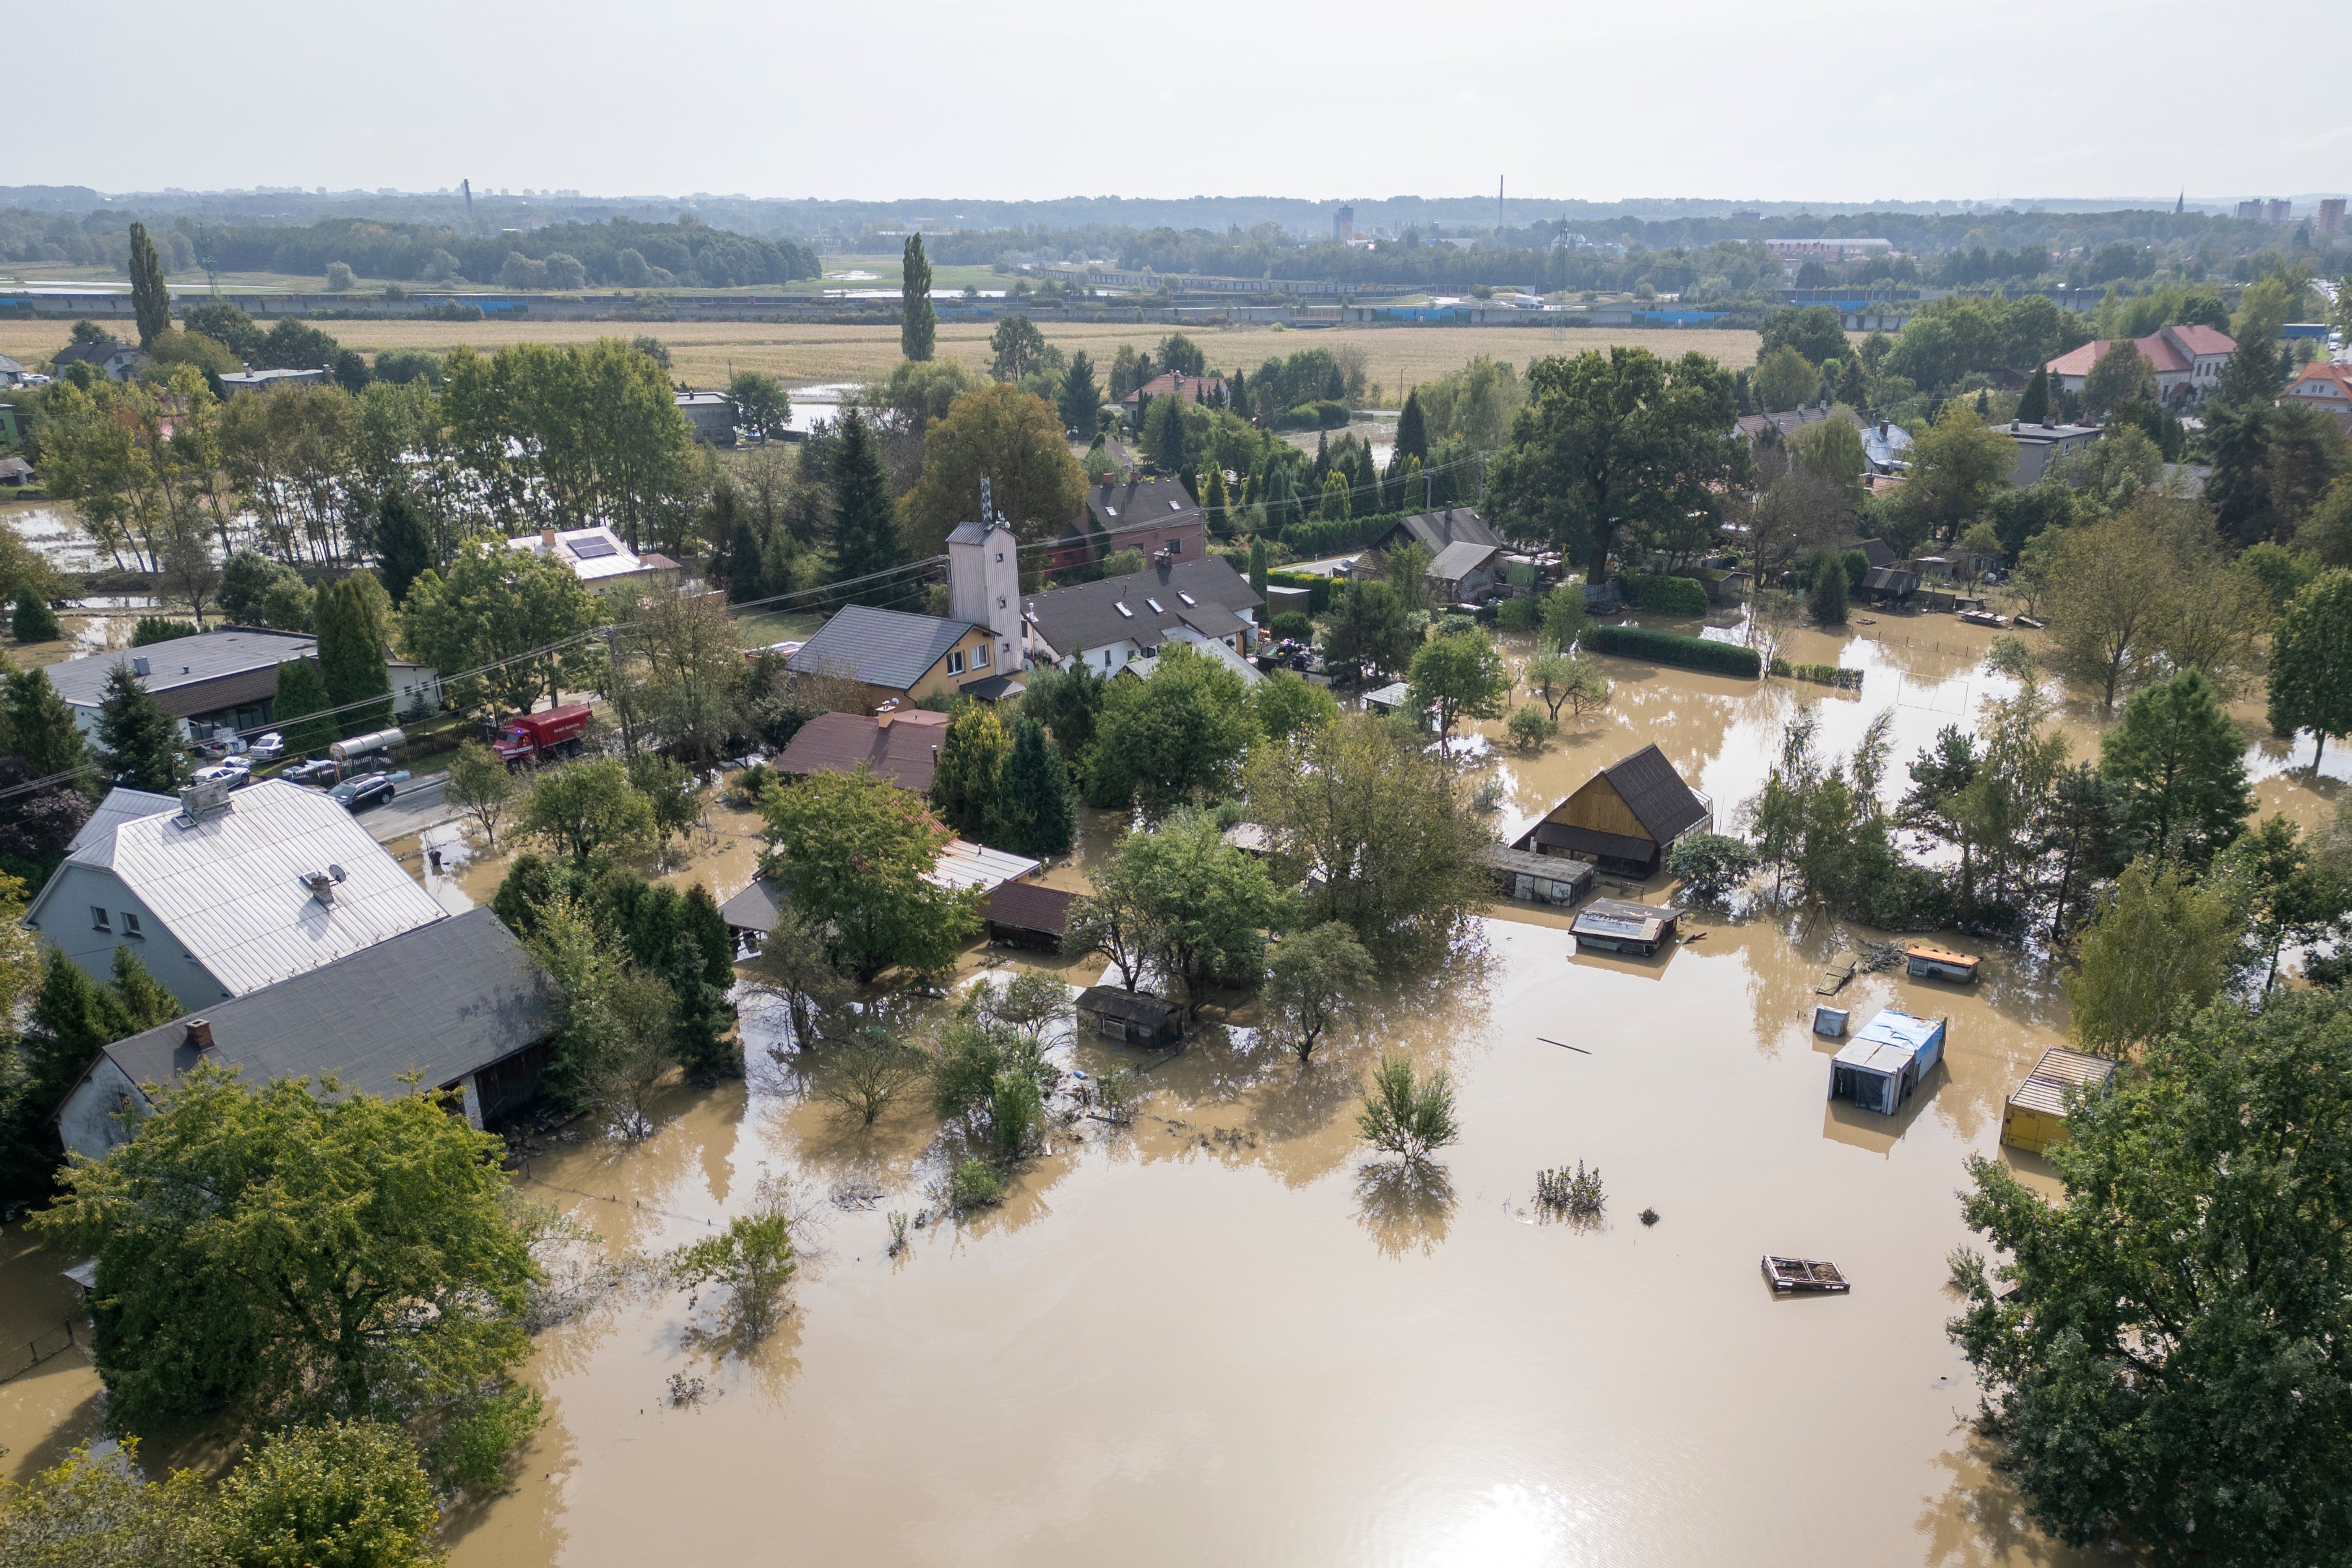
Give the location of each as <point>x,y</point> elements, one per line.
<point>703,353</point>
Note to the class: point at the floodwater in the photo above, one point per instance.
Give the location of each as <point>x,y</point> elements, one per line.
<point>1222,1334</point>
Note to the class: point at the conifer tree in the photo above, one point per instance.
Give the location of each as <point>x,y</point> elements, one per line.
<point>919,324</point>
<point>41,730</point>
<point>1037,809</point>
<point>138,741</point>
<point>150,300</point>
<point>2033,405</point>
<point>1257,566</point>
<point>1413,432</point>
<point>743,574</point>
<point>865,517</point>
<point>401,545</point>
<point>352,645</point>
<point>971,772</point>
<point>300,693</point>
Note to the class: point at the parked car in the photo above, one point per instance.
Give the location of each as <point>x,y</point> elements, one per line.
<point>228,773</point>
<point>359,794</point>
<point>317,774</point>
<point>266,748</point>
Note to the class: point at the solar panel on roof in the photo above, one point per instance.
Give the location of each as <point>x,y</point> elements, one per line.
<point>591,547</point>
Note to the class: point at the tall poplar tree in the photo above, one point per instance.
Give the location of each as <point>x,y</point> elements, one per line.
<point>150,300</point>
<point>865,517</point>
<point>919,324</point>
<point>2311,663</point>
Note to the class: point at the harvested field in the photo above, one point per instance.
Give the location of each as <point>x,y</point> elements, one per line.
<point>704,353</point>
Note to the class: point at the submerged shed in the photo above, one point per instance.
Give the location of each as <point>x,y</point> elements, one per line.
<point>1927,962</point>
<point>1887,1060</point>
<point>1538,879</point>
<point>1022,914</point>
<point>1130,1017</point>
<point>2035,1119</point>
<point>1625,817</point>
<point>1616,925</point>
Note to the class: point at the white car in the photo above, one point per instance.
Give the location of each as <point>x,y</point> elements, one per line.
<point>268,748</point>
<point>236,775</point>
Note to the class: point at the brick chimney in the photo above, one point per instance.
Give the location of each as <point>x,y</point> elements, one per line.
<point>200,1033</point>
<point>547,540</point>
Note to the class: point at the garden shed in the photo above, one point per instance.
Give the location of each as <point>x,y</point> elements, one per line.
<point>1618,925</point>
<point>1131,1016</point>
<point>1022,914</point>
<point>1538,879</point>
<point>2035,1119</point>
<point>1887,1060</point>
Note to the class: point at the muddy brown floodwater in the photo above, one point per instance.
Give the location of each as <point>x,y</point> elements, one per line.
<point>1222,1335</point>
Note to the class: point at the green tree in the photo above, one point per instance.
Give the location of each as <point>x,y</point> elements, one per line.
<point>1815,332</point>
<point>1406,1113</point>
<point>2033,403</point>
<point>1068,701</point>
<point>1194,904</point>
<point>1314,976</point>
<point>1164,435</point>
<point>481,786</point>
<point>354,1257</point>
<point>1285,702</point>
<point>761,402</point>
<point>751,1261</point>
<point>151,301</point>
<point>300,709</point>
<point>1564,619</point>
<point>969,783</point>
<point>2121,374</point>
<point>1081,399</point>
<point>1011,438</point>
<point>2310,662</point>
<point>1621,440</point>
<point>1827,600</point>
<point>919,324</point>
<point>1017,347</point>
<point>509,608</point>
<point>41,729</point>
<point>1174,737</point>
<point>1037,811</point>
<point>2178,766</point>
<point>1369,629</point>
<point>673,803</point>
<point>853,850</point>
<point>2164,1350</point>
<point>2163,948</point>
<point>1956,463</point>
<point>586,808</point>
<point>1334,505</point>
<point>404,549</point>
<point>865,516</point>
<point>1460,676</point>
<point>1783,379</point>
<point>1411,440</point>
<point>344,1494</point>
<point>2110,585</point>
<point>85,1513</point>
<point>33,620</point>
<point>354,633</point>
<point>138,740</point>
<point>1258,567</point>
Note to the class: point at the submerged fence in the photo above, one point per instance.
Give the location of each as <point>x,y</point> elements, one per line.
<point>18,1360</point>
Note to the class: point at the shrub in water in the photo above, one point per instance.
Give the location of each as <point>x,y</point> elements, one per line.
<point>974,1185</point>
<point>1672,648</point>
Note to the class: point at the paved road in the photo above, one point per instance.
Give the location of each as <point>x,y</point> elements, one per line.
<point>413,807</point>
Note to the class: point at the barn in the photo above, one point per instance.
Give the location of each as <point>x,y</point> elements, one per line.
<point>1625,817</point>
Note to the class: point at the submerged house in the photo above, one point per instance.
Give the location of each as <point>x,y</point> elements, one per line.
<point>1887,1060</point>
<point>1619,925</point>
<point>1130,1017</point>
<point>1536,879</point>
<point>1023,914</point>
<point>1625,818</point>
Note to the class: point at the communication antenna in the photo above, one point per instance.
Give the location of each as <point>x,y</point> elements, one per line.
<point>987,506</point>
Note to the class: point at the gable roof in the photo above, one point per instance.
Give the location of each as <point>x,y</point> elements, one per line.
<point>229,889</point>
<point>1437,530</point>
<point>1655,793</point>
<point>2172,350</point>
<point>1118,506</point>
<point>594,555</point>
<point>2200,339</point>
<point>1788,422</point>
<point>886,648</point>
<point>1193,387</point>
<point>757,908</point>
<point>906,750</point>
<point>101,354</point>
<point>94,845</point>
<point>1460,558</point>
<point>186,662</point>
<point>1028,907</point>
<point>1086,616</point>
<point>443,1000</point>
<point>2337,376</point>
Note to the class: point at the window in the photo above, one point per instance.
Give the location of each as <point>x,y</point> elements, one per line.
<point>98,919</point>
<point>1187,598</point>
<point>1121,607</point>
<point>980,657</point>
<point>955,663</point>
<point>1157,608</point>
<point>130,927</point>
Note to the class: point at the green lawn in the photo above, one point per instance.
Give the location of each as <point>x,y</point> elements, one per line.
<point>761,627</point>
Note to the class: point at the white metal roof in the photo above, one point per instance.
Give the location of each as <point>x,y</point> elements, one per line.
<point>230,888</point>
<point>593,554</point>
<point>965,865</point>
<point>94,845</point>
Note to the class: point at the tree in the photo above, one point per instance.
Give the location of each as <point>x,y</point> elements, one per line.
<point>1313,978</point>
<point>586,808</point>
<point>1956,463</point>
<point>1163,431</point>
<point>1068,701</point>
<point>86,1513</point>
<point>1017,347</point>
<point>138,740</point>
<point>1407,1114</point>
<point>793,966</point>
<point>1369,629</point>
<point>299,710</point>
<point>1011,438</point>
<point>2249,377</point>
<point>1194,904</point>
<point>2033,403</point>
<point>2079,842</point>
<point>1257,565</point>
<point>1710,866</point>
<point>1815,332</point>
<point>2121,374</point>
<point>854,852</point>
<point>1284,703</point>
<point>865,517</point>
<point>2110,584</point>
<point>151,301</point>
<point>1827,600</point>
<point>1174,737</point>
<point>760,404</point>
<point>33,620</point>
<point>1460,676</point>
<point>352,631</point>
<point>1037,810</point>
<point>354,1255</point>
<point>404,550</point>
<point>2178,766</point>
<point>344,1494</point>
<point>1379,832</point>
<point>614,1035</point>
<point>866,1073</point>
<point>1783,379</point>
<point>969,781</point>
<point>41,728</point>
<point>1622,440</point>
<point>919,324</point>
<point>515,609</point>
<point>481,786</point>
<point>1411,440</point>
<point>751,1260</point>
<point>2163,1354</point>
<point>2310,662</point>
<point>1558,678</point>
<point>1080,403</point>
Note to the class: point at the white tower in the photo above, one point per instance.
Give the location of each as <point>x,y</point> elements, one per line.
<point>985,586</point>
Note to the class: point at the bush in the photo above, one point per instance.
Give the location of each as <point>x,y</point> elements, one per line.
<point>1518,613</point>
<point>1710,865</point>
<point>160,629</point>
<point>1668,595</point>
<point>1820,674</point>
<point>1318,589</point>
<point>1326,414</point>
<point>1530,726</point>
<point>974,1185</point>
<point>34,620</point>
<point>1290,623</point>
<point>1672,648</point>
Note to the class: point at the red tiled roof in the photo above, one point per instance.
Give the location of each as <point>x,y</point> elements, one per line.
<point>1195,387</point>
<point>2340,374</point>
<point>2203,339</point>
<point>905,751</point>
<point>2170,351</point>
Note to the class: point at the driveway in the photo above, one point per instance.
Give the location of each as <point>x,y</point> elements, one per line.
<point>413,807</point>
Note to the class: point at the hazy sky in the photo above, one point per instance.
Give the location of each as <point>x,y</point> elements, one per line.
<point>1772,100</point>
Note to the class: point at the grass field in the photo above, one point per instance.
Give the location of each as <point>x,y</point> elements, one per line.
<point>703,352</point>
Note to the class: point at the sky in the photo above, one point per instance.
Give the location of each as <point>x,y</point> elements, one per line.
<point>1794,100</point>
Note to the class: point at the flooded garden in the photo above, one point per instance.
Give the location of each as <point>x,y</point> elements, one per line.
<point>1222,1331</point>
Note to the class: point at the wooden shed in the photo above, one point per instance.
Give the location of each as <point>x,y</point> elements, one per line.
<point>1625,818</point>
<point>1924,961</point>
<point>1886,1061</point>
<point>1538,879</point>
<point>1131,1016</point>
<point>1616,925</point>
<point>1022,914</point>
<point>2035,1119</point>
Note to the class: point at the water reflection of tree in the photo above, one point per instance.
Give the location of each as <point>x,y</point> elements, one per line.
<point>550,1452</point>
<point>1980,1520</point>
<point>1404,1206</point>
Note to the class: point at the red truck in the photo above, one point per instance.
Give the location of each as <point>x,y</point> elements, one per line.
<point>534,737</point>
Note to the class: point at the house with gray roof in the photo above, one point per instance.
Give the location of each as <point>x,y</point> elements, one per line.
<point>220,680</point>
<point>1434,531</point>
<point>1106,625</point>
<point>898,656</point>
<point>458,1004</point>
<point>1625,818</point>
<point>115,361</point>
<point>1466,570</point>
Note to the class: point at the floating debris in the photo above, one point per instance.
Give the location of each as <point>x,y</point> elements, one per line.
<point>1788,1275</point>
<point>686,1391</point>
<point>1649,1216</point>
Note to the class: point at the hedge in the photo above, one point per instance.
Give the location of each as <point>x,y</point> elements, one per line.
<point>1319,587</point>
<point>1820,674</point>
<point>1672,648</point>
<point>1325,415</point>
<point>1319,537</point>
<point>1668,595</point>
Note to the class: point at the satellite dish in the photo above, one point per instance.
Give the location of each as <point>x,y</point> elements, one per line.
<point>336,871</point>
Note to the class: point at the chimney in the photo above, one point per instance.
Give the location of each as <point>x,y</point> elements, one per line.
<point>321,886</point>
<point>200,1033</point>
<point>139,666</point>
<point>1882,430</point>
<point>547,540</point>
